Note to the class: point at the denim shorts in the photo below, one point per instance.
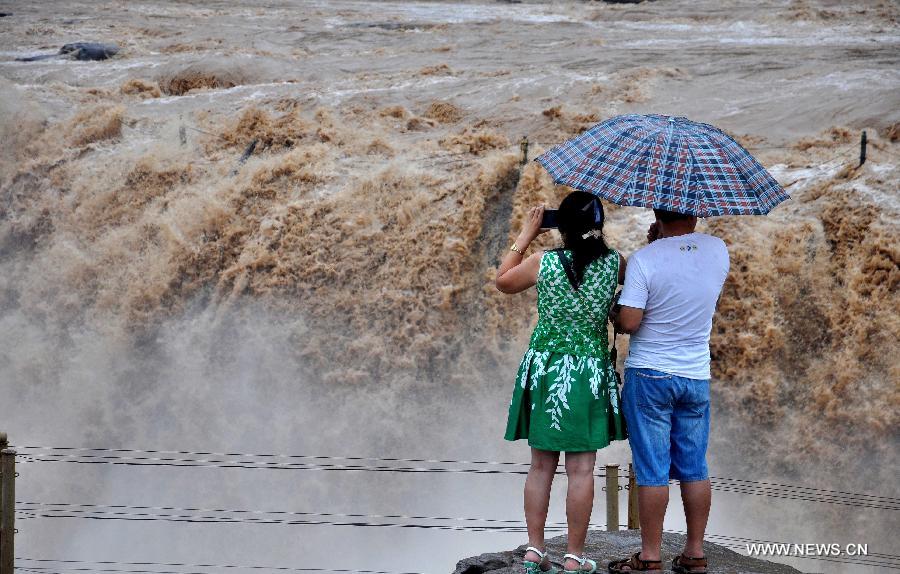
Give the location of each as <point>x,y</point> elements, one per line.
<point>667,418</point>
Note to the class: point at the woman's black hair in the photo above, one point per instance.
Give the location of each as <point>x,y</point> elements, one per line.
<point>580,213</point>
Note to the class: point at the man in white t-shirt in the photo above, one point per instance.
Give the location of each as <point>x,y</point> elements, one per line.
<point>671,289</point>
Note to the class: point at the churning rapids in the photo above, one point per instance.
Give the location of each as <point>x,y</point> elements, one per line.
<point>332,295</point>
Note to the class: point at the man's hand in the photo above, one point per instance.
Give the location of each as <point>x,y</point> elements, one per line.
<point>653,232</point>
<point>614,308</point>
<point>614,314</point>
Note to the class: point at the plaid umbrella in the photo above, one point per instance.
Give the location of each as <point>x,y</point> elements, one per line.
<point>665,162</point>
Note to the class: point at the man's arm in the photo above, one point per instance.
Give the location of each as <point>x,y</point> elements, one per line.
<point>633,299</point>
<point>628,319</point>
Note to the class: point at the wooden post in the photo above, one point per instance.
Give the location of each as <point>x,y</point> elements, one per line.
<point>247,153</point>
<point>523,145</point>
<point>612,497</point>
<point>634,519</point>
<point>7,505</point>
<point>862,148</point>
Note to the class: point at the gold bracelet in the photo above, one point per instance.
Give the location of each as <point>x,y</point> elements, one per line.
<point>517,250</point>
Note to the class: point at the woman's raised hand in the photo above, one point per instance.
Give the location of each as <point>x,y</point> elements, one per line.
<point>517,272</point>
<point>533,223</point>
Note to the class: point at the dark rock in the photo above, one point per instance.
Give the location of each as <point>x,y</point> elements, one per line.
<point>607,546</point>
<point>89,50</point>
<point>79,51</point>
<point>493,561</point>
<point>394,26</point>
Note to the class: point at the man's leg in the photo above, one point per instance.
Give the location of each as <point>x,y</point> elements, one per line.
<point>690,437</point>
<point>697,497</point>
<point>647,406</point>
<point>652,502</point>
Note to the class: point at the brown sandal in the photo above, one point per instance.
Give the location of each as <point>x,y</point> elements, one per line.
<point>682,564</point>
<point>634,563</point>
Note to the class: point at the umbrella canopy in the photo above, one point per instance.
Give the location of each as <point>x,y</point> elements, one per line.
<point>665,162</point>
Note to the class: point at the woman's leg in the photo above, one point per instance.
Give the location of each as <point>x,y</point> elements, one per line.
<point>579,500</point>
<point>537,496</point>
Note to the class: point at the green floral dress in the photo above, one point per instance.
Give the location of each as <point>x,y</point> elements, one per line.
<point>565,397</point>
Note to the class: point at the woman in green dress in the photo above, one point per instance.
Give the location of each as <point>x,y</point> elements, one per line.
<point>565,396</point>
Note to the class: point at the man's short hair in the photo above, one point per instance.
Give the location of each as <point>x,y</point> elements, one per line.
<point>670,216</point>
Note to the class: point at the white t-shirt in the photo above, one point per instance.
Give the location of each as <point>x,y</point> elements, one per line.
<point>676,281</point>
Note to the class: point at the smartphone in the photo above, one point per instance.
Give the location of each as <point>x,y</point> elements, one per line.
<point>550,220</point>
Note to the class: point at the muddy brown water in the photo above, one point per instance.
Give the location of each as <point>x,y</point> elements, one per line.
<point>334,297</point>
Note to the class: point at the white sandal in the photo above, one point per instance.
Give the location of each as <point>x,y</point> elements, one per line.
<point>581,560</point>
<point>535,567</point>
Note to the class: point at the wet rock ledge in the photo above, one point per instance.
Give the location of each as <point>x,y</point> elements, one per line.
<point>605,546</point>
